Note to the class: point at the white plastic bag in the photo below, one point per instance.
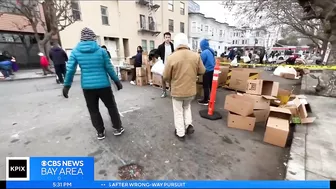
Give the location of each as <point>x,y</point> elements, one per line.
<point>234,62</point>
<point>246,59</point>
<point>158,67</point>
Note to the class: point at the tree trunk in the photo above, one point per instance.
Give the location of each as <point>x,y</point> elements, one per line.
<point>327,81</point>
<point>324,48</point>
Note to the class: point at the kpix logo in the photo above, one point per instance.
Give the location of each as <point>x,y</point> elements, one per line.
<point>17,168</point>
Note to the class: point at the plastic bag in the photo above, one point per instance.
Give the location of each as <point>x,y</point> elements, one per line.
<point>246,59</point>
<point>158,67</point>
<point>234,62</point>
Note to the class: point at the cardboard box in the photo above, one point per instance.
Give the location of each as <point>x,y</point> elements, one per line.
<point>124,75</point>
<point>222,77</point>
<point>157,80</point>
<point>238,104</point>
<point>141,81</point>
<point>140,72</point>
<point>262,87</point>
<point>277,127</point>
<point>199,90</point>
<point>260,102</point>
<point>131,61</point>
<point>241,122</point>
<point>261,115</point>
<point>239,77</point>
<point>149,73</point>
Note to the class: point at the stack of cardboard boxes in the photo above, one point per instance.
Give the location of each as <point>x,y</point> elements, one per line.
<point>141,76</point>
<point>254,106</point>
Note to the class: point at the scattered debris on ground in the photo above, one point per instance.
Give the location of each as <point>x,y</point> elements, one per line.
<point>130,172</point>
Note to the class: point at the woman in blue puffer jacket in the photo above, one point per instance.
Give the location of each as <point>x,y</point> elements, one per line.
<point>96,71</point>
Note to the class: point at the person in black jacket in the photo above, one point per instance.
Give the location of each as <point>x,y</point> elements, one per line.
<point>108,53</point>
<point>137,64</point>
<point>59,58</point>
<point>164,50</point>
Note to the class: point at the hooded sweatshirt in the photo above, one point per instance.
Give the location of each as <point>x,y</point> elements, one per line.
<point>207,55</point>
<point>95,64</point>
<point>58,55</point>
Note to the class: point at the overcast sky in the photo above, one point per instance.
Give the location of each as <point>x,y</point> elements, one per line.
<point>215,10</point>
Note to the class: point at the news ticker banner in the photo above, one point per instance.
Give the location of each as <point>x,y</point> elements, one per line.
<point>172,184</point>
<point>49,168</point>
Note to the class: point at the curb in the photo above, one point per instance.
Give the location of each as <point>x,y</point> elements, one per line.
<point>296,167</point>
<point>31,78</point>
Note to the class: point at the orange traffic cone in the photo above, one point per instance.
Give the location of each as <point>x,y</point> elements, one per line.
<point>211,113</point>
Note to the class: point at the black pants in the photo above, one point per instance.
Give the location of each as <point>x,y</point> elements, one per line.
<point>60,70</point>
<point>207,84</point>
<point>92,97</point>
<point>134,72</point>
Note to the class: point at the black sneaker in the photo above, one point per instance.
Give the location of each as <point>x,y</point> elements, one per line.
<point>190,130</point>
<point>180,138</point>
<point>118,132</point>
<point>203,102</point>
<point>101,136</point>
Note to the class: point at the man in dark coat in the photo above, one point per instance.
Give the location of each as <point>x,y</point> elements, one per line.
<point>164,50</point>
<point>59,58</point>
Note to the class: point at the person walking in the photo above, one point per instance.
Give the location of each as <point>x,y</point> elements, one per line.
<point>137,64</point>
<point>181,70</point>
<point>59,58</point>
<point>44,64</point>
<point>96,68</point>
<point>164,50</point>
<point>208,59</point>
<point>108,53</point>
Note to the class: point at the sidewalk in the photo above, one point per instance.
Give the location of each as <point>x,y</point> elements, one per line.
<point>313,151</point>
<point>30,74</point>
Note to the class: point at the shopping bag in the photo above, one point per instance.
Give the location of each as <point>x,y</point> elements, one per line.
<point>158,67</point>
<point>246,59</point>
<point>234,62</point>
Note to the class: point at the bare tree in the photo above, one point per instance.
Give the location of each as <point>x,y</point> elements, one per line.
<point>286,13</point>
<point>321,16</point>
<point>56,16</point>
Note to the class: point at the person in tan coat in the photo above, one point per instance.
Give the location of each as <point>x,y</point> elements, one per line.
<point>181,71</point>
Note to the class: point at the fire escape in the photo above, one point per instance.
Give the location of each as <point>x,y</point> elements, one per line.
<point>150,26</point>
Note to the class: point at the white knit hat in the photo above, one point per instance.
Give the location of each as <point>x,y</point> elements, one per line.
<point>180,39</point>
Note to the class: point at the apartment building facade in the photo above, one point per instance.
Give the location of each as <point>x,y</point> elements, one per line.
<point>17,37</point>
<point>124,25</point>
<point>247,37</point>
<point>202,27</point>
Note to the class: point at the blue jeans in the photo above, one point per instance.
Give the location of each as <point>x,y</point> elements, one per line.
<point>5,70</point>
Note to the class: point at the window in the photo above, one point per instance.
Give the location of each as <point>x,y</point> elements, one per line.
<point>171,25</point>
<point>151,45</point>
<point>76,13</point>
<point>171,5</point>
<point>104,15</point>
<point>256,41</point>
<point>193,26</point>
<point>206,28</point>
<point>201,27</point>
<point>142,21</point>
<point>233,42</point>
<point>220,33</point>
<point>144,45</point>
<point>243,42</point>
<point>181,27</point>
<point>151,23</point>
<point>257,34</point>
<point>182,8</point>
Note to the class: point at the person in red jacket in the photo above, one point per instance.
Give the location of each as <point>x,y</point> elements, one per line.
<point>44,64</point>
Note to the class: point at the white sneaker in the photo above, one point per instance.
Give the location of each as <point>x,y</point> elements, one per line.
<point>132,82</point>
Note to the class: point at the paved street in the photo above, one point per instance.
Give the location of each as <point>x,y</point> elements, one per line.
<point>37,121</point>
